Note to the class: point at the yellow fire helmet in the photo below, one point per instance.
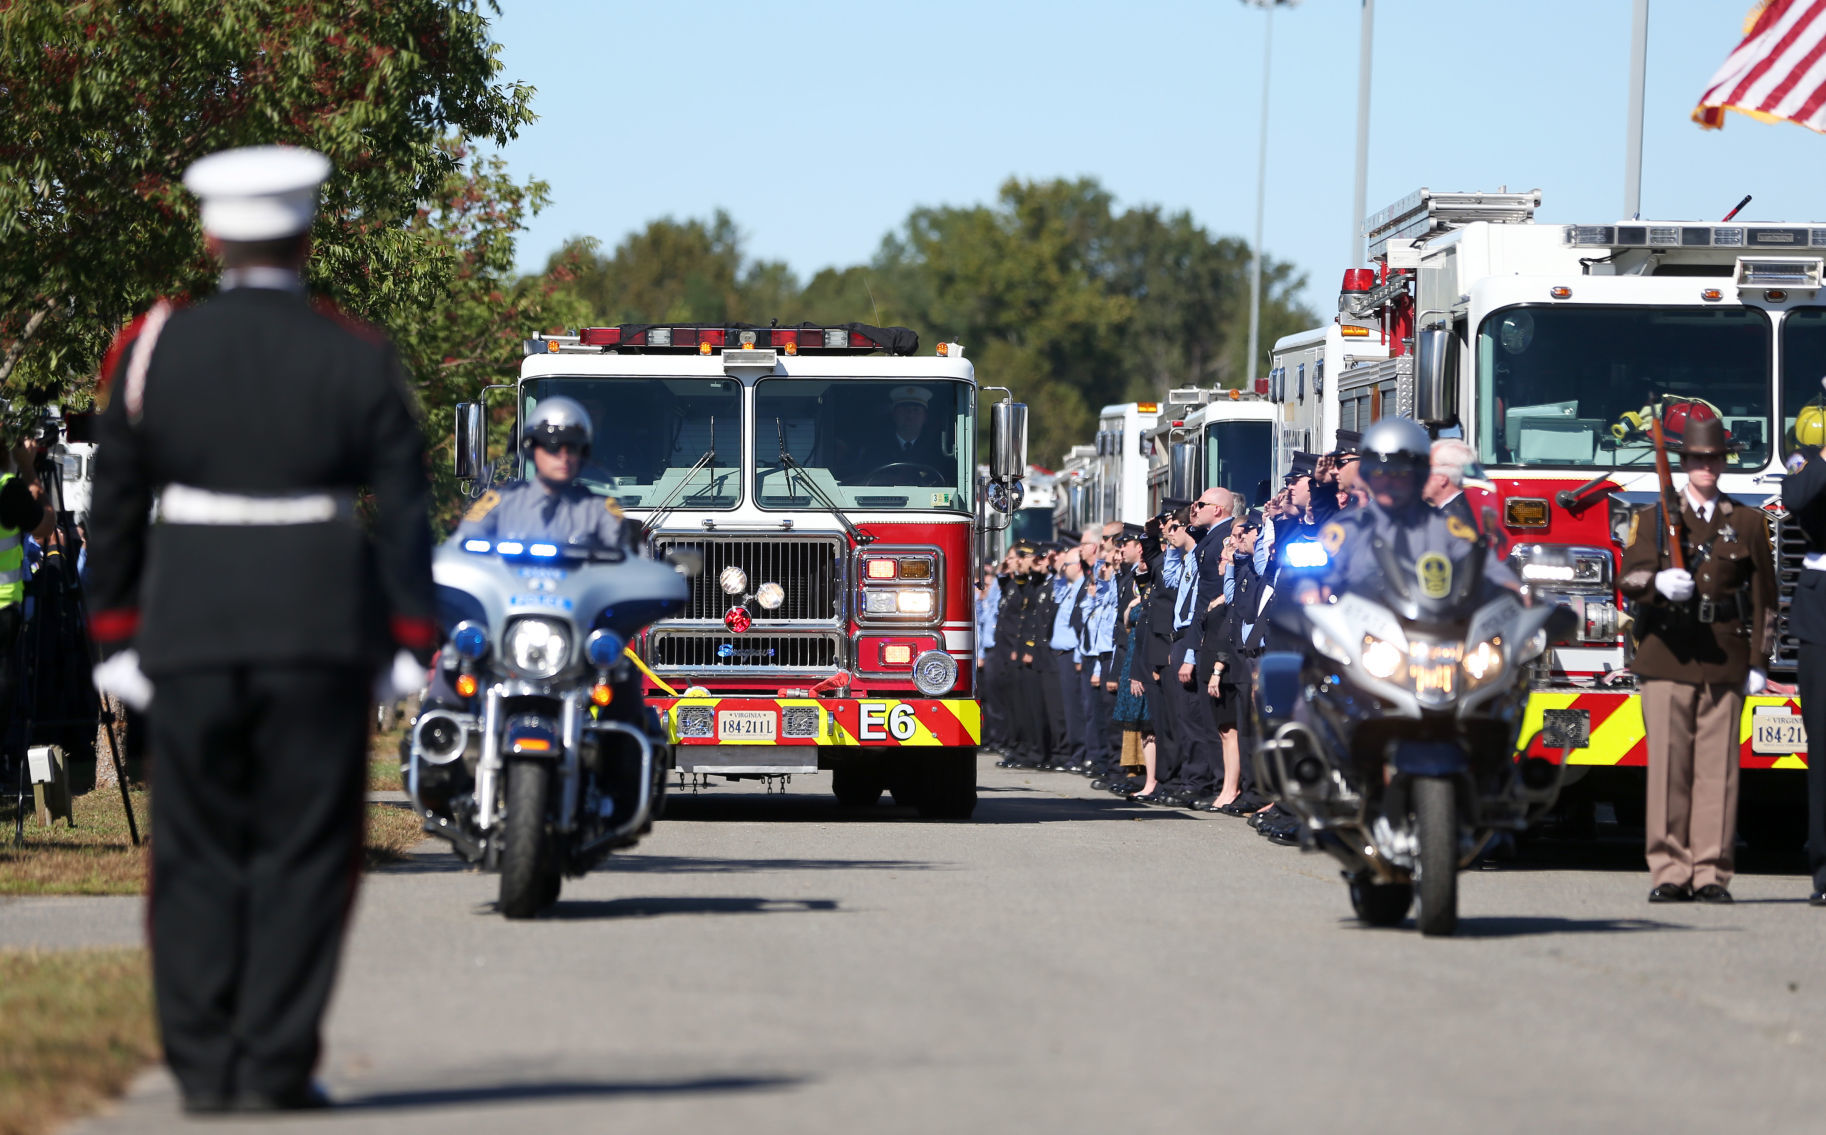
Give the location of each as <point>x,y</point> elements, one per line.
<point>1810,425</point>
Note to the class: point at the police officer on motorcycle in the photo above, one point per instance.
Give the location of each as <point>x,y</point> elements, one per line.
<point>552,506</point>
<point>1395,462</point>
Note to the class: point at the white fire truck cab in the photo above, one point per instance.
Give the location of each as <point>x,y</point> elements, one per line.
<point>1547,347</point>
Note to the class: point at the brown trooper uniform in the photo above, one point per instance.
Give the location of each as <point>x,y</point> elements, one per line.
<point>1694,657</point>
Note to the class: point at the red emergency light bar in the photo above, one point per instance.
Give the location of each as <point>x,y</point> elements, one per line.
<point>691,339</point>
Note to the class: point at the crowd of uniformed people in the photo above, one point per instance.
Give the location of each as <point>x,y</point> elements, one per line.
<point>1126,655</point>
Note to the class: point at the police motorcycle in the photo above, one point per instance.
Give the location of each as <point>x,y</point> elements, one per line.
<point>547,759</point>
<point>1391,733</point>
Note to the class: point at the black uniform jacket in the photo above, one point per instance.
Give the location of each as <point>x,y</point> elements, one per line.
<point>1804,494</point>
<point>1157,643</point>
<point>257,392</point>
<point>1736,568</point>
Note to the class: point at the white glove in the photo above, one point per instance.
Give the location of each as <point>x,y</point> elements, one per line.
<point>122,677</point>
<point>403,679</point>
<point>1675,583</point>
<point>1756,683</point>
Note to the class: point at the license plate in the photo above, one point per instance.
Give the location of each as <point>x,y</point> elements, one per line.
<point>746,725</point>
<point>1777,731</point>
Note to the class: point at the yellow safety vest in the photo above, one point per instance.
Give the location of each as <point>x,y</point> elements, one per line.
<point>12,559</point>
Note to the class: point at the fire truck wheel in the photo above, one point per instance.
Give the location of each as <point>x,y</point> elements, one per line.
<point>858,786</point>
<point>947,785</point>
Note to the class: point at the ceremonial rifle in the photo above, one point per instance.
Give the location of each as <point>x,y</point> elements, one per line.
<point>1670,503</point>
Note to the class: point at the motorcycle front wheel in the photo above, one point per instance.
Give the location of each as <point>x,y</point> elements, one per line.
<point>526,870</point>
<point>1436,826</point>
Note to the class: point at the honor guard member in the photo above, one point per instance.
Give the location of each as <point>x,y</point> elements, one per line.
<point>1703,638</point>
<point>1804,494</point>
<point>552,506</point>
<point>1395,461</point>
<point>1009,645</point>
<point>250,420</point>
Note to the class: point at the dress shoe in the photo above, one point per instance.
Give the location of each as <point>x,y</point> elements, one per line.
<point>1234,808</point>
<point>1712,892</point>
<point>1252,801</point>
<point>1817,898</point>
<point>306,1097</point>
<point>1671,892</point>
<point>1099,784</point>
<point>1201,803</point>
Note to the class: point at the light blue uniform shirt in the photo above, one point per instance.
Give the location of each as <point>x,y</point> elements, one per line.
<point>1100,620</point>
<point>1063,637</point>
<point>988,611</point>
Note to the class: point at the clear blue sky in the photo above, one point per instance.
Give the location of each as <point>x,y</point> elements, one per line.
<point>819,126</point>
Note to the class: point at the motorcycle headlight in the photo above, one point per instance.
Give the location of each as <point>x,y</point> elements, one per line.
<point>1485,660</point>
<point>538,648</point>
<point>1330,647</point>
<point>1381,660</point>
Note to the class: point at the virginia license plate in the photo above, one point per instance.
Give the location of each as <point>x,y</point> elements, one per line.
<point>1777,731</point>
<point>746,725</point>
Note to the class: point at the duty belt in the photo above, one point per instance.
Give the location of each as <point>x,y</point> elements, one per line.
<point>1715,610</point>
<point>185,504</point>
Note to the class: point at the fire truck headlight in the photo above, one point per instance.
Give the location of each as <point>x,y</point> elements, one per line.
<point>934,673</point>
<point>914,602</point>
<point>770,596</point>
<point>733,580</point>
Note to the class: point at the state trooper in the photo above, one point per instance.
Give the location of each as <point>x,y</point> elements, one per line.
<point>253,615</point>
<point>1395,462</point>
<point>1704,633</point>
<point>552,505</point>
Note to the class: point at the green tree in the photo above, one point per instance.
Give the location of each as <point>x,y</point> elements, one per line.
<point>107,101</point>
<point>679,272</point>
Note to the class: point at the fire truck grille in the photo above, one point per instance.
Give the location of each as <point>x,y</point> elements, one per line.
<point>705,652</point>
<point>808,568</point>
<point>1790,546</point>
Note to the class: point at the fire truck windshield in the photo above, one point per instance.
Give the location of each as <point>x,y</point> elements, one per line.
<point>1571,385</point>
<point>865,443</point>
<point>1803,365</point>
<point>652,436</point>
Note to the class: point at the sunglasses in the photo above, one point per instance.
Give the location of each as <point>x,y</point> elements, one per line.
<point>560,446</point>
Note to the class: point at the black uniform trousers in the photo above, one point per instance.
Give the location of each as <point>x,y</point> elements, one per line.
<point>1812,680</point>
<point>1201,747</point>
<point>1074,691</point>
<point>1031,681</point>
<point>1169,730</point>
<point>260,773</point>
<point>988,692</point>
<point>1108,755</point>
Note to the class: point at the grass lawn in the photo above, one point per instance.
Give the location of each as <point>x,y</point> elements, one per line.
<point>78,1026</point>
<point>96,858</point>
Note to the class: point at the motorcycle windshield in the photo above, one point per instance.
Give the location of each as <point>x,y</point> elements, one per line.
<point>1434,588</point>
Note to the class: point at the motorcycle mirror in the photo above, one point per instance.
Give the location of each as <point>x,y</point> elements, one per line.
<point>689,562</point>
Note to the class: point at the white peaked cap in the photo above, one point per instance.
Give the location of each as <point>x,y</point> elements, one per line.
<point>258,192</point>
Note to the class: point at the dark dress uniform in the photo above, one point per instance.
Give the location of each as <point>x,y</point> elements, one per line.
<point>1693,658</point>
<point>262,612</point>
<point>1804,494</point>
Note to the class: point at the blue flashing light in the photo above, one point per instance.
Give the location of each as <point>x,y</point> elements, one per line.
<point>510,547</point>
<point>1306,554</point>
<point>543,551</point>
<point>604,647</point>
<point>477,546</point>
<point>470,641</point>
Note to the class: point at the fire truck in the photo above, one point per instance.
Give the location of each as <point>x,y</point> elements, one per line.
<point>1210,438</point>
<point>816,484</point>
<point>1547,347</point>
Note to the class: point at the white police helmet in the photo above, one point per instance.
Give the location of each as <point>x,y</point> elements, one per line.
<point>557,421</point>
<point>1396,445</point>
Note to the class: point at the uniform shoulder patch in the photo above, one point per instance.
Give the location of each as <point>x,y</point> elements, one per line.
<point>1331,537</point>
<point>1460,529</point>
<point>484,505</point>
<point>613,506</point>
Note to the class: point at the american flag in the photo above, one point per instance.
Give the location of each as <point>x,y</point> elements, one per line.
<point>1778,73</point>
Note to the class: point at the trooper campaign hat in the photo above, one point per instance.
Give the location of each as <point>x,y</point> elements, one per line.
<point>258,193</point>
<point>1704,435</point>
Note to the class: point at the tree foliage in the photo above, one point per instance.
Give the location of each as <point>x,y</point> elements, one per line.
<point>107,101</point>
<point>1055,292</point>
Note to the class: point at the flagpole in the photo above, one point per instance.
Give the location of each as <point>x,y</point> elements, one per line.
<point>1261,198</point>
<point>1360,192</point>
<point>1638,76</point>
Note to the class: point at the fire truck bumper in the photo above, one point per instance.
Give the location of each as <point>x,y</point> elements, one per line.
<point>815,723</point>
<point>1605,729</point>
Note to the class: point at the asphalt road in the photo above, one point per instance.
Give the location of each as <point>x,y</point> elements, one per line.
<point>1064,963</point>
